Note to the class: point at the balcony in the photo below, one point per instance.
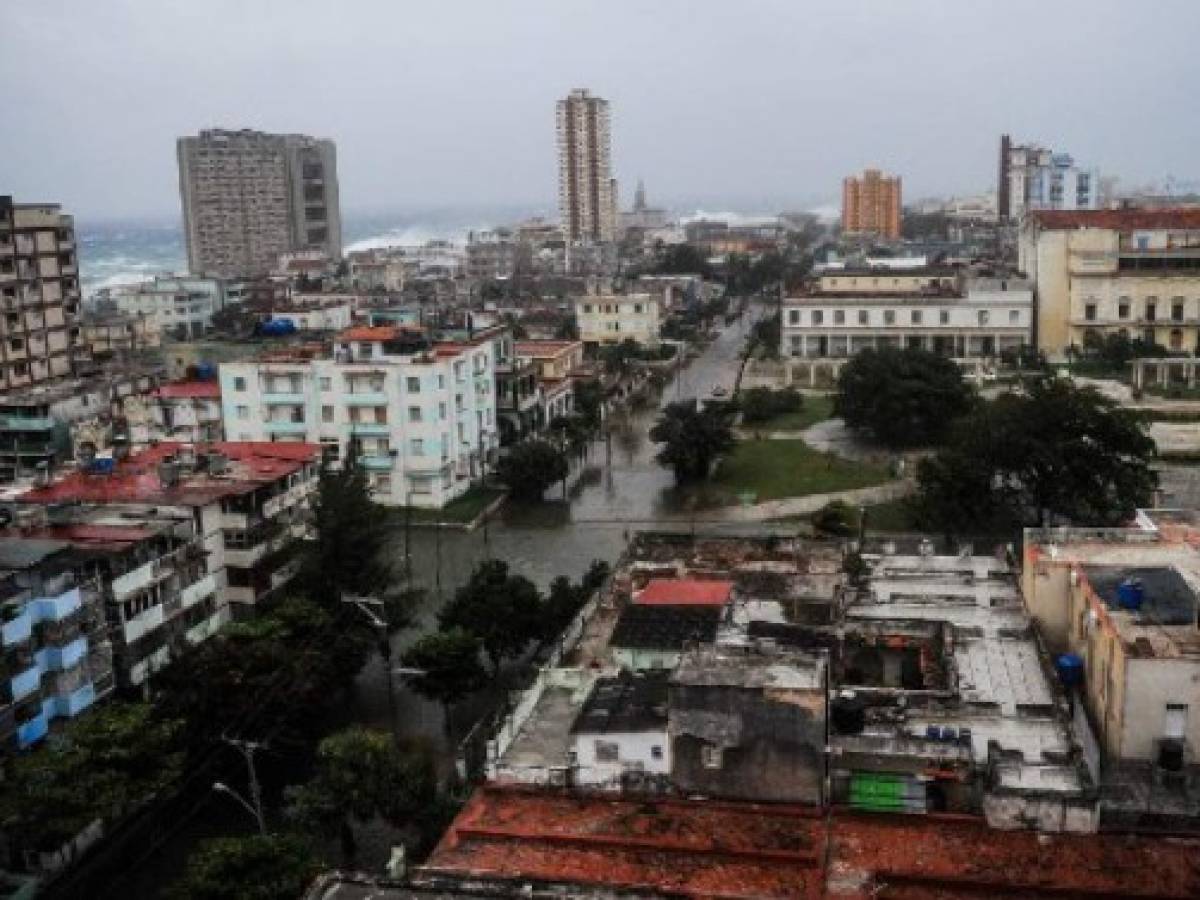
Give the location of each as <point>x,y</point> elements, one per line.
<point>203,630</point>
<point>245,557</point>
<point>370,429</point>
<point>59,659</point>
<point>134,580</point>
<point>143,623</point>
<point>19,629</point>
<point>24,423</point>
<point>194,593</point>
<point>25,683</point>
<point>377,462</point>
<point>56,608</point>
<point>33,730</point>
<point>367,398</point>
<point>282,427</point>
<point>74,703</point>
<point>276,398</point>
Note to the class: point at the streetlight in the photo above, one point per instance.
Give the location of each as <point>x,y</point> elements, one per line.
<point>256,811</point>
<point>363,605</point>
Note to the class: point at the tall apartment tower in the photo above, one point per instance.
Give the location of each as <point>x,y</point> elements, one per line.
<point>1033,177</point>
<point>871,203</point>
<point>247,197</point>
<point>39,294</point>
<point>585,184</point>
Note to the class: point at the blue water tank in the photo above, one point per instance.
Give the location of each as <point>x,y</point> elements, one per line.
<point>206,371</point>
<point>1070,669</point>
<point>103,465</point>
<point>1130,594</point>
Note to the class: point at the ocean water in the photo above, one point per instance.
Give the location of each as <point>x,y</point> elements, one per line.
<point>128,251</point>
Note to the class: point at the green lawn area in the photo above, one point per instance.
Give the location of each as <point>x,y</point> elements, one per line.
<point>817,408</point>
<point>462,510</point>
<point>772,470</point>
<point>894,515</point>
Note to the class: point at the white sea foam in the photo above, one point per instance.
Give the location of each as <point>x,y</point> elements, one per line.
<point>414,236</point>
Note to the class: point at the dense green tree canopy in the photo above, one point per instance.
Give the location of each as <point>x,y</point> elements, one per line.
<point>1057,452</point>
<point>257,867</point>
<point>448,666</point>
<point>530,467</point>
<point>502,610</point>
<point>902,398</point>
<point>691,438</point>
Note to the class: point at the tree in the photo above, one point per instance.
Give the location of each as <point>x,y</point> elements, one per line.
<point>351,535</point>
<point>692,438</point>
<point>257,867</point>
<point>361,774</point>
<point>449,666</point>
<point>100,766</point>
<point>837,518</point>
<point>562,603</point>
<point>531,467</point>
<point>502,610</point>
<point>762,404</point>
<point>1057,452</point>
<point>589,401</point>
<point>902,398</point>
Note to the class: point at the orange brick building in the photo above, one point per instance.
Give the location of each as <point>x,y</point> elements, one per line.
<point>871,203</point>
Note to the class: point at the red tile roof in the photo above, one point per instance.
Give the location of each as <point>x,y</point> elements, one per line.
<point>543,348</point>
<point>717,849</point>
<point>378,332</point>
<point>1117,219</point>
<point>209,390</point>
<point>136,480</point>
<point>684,592</point>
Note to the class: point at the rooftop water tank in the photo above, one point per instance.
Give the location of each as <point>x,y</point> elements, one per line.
<point>1070,669</point>
<point>1130,594</point>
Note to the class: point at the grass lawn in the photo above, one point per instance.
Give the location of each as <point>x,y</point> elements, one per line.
<point>772,470</point>
<point>817,408</point>
<point>894,515</point>
<point>463,510</point>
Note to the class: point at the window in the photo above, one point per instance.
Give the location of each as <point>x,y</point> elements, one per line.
<point>416,447</point>
<point>983,317</point>
<point>1014,316</point>
<point>1123,309</point>
<point>414,414</point>
<point>1175,720</point>
<point>1089,312</point>
<point>607,751</point>
<point>413,384</point>
<point>441,380</point>
<point>1151,310</point>
<point>944,317</point>
<point>656,752</point>
<point>889,317</point>
<point>818,317</point>
<point>243,412</point>
<point>442,411</point>
<point>710,756</point>
<point>863,318</point>
<point>793,317</point>
<point>1176,339</point>
<point>326,383</point>
<point>383,484</point>
<point>637,309</point>
<point>239,384</point>
<point>1177,311</point>
<point>326,413</point>
<point>916,317</point>
<point>587,308</point>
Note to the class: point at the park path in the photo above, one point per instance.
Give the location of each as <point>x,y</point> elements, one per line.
<point>790,507</point>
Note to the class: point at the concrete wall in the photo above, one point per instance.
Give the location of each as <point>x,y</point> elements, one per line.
<point>771,741</point>
<point>1052,294</point>
<point>1046,587</point>
<point>1150,685</point>
<point>635,757</point>
<point>1011,811</point>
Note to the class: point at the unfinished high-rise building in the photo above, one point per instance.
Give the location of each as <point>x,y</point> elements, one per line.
<point>586,187</point>
<point>248,197</point>
<point>39,293</point>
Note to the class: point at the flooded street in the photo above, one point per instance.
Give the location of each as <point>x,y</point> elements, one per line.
<point>613,497</point>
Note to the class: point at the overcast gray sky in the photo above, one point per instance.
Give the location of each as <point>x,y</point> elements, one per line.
<point>756,104</point>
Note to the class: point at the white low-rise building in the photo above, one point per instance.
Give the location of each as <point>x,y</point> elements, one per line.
<point>182,307</point>
<point>422,414</point>
<point>613,318</point>
<point>317,312</point>
<point>853,310</point>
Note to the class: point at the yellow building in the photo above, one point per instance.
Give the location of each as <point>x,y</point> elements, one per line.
<point>1098,272</point>
<point>613,318</point>
<point>1125,601</point>
<point>871,203</point>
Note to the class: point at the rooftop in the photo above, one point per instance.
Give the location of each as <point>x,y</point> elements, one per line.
<point>374,333</point>
<point>625,703</point>
<point>684,592</point>
<point>138,479</point>
<point>752,669</point>
<point>1116,219</point>
<point>681,848</point>
<point>194,390</point>
<point>665,627</point>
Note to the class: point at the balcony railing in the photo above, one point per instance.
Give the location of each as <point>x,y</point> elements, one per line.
<point>25,683</point>
<point>33,730</point>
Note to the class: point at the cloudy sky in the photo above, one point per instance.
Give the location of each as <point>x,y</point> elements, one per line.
<point>752,105</point>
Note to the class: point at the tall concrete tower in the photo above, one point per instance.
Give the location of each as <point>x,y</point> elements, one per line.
<point>585,182</point>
